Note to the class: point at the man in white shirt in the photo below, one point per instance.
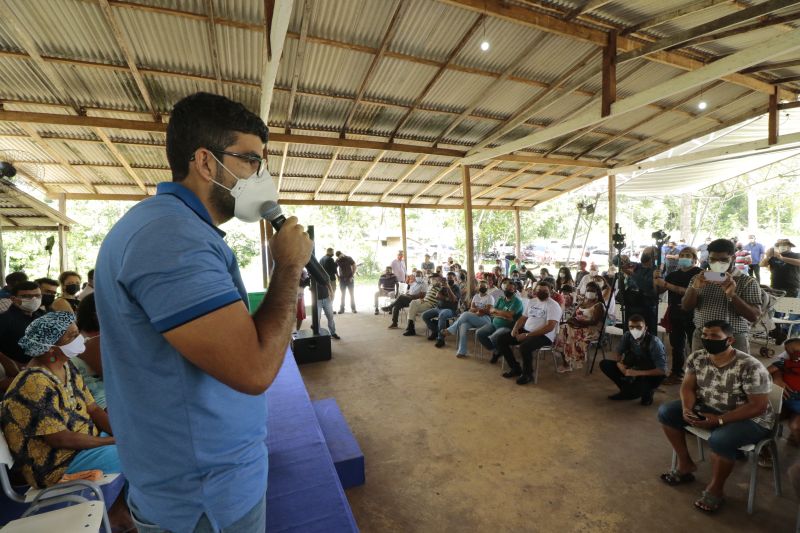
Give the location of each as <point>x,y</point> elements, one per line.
<point>478,316</point>
<point>399,267</point>
<point>415,291</point>
<point>536,328</point>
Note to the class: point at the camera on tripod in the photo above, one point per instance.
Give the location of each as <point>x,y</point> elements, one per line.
<point>660,236</point>
<point>618,238</point>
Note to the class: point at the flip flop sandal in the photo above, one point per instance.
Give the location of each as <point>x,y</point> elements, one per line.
<point>673,477</point>
<point>708,503</point>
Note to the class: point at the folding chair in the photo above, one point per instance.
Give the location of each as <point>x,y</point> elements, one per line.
<point>540,352</point>
<point>85,515</point>
<point>788,307</point>
<point>752,450</point>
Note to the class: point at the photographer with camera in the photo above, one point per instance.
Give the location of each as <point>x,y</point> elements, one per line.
<point>640,296</point>
<point>723,293</point>
<point>639,364</point>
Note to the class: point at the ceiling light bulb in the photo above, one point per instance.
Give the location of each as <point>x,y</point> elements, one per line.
<point>702,105</point>
<point>485,46</point>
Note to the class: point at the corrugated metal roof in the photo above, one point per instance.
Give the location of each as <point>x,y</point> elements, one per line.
<point>235,65</point>
<point>22,81</point>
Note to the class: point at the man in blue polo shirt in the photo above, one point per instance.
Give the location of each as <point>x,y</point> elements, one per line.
<point>185,365</point>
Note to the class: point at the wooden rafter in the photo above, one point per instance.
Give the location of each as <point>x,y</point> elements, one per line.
<point>211,30</point>
<point>125,47</point>
<point>763,22</point>
<point>504,180</point>
<point>119,157</point>
<point>439,73</point>
<point>328,173</point>
<point>394,23</point>
<point>283,165</point>
<point>692,8</point>
<point>590,5</point>
<point>46,148</point>
<point>299,59</point>
<point>772,66</point>
<point>366,174</point>
<point>474,177</point>
<point>789,79</point>
<point>436,179</point>
<point>550,187</point>
<point>410,170</point>
<point>505,194</point>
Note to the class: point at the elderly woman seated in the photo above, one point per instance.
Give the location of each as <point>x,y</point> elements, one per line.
<point>581,329</point>
<point>49,418</point>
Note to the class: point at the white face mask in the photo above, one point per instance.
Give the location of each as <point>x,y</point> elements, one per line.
<point>783,249</point>
<point>637,333</point>
<point>419,279</point>
<point>562,275</point>
<point>593,272</point>
<point>74,348</point>
<point>250,194</point>
<point>591,296</point>
<point>719,266</point>
<point>29,306</point>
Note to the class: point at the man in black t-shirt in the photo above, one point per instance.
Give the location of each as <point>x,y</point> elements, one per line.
<point>347,274</point>
<point>329,264</point>
<point>681,322</point>
<point>784,267</point>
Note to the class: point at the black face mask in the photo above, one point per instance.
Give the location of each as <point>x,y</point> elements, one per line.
<point>48,299</point>
<point>482,290</point>
<point>542,295</point>
<point>508,294</point>
<point>450,282</point>
<point>72,289</point>
<point>714,346</point>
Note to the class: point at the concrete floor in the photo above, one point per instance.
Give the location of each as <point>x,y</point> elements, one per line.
<point>452,446</point>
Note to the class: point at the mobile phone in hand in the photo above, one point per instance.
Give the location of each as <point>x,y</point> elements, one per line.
<point>714,277</point>
<point>697,415</point>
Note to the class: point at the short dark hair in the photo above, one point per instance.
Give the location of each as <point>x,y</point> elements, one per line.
<point>46,281</point>
<point>546,284</point>
<point>16,277</point>
<point>791,341</point>
<point>722,246</point>
<point>90,274</point>
<point>205,120</point>
<point>24,286</point>
<point>726,328</point>
<point>86,317</point>
<point>64,275</point>
<point>636,318</point>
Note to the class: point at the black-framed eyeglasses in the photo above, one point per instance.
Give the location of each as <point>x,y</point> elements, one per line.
<point>250,158</point>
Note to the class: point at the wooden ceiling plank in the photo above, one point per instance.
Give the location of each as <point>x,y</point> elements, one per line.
<point>46,148</point>
<point>119,157</point>
<point>366,174</point>
<point>327,172</point>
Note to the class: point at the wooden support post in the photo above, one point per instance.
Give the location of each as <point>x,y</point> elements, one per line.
<point>265,259</point>
<point>62,234</point>
<point>403,234</point>
<point>612,212</point>
<point>773,117</point>
<point>518,233</point>
<point>609,95</point>
<point>470,262</point>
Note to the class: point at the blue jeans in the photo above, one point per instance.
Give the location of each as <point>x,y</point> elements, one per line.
<point>725,440</point>
<point>464,323</point>
<point>487,336</point>
<point>254,521</point>
<point>326,305</point>
<point>436,319</point>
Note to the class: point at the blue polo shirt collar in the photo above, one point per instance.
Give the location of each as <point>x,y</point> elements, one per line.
<point>190,199</point>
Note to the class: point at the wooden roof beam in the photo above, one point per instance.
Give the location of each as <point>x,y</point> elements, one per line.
<point>299,59</point>
<point>693,8</point>
<point>327,172</point>
<point>421,159</point>
<point>779,45</point>
<point>504,180</point>
<point>394,23</point>
<point>552,186</point>
<point>473,177</point>
<point>211,30</point>
<point>436,179</point>
<point>46,148</point>
<point>765,67</point>
<point>763,22</point>
<point>505,194</point>
<point>119,157</point>
<point>366,174</point>
<point>590,5</point>
<point>125,47</point>
<point>276,23</point>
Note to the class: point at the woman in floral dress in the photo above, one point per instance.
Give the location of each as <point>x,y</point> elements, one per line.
<point>581,329</point>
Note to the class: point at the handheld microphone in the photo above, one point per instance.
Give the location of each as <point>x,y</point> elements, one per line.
<point>271,211</point>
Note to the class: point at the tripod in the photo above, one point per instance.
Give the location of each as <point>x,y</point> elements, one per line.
<point>619,281</point>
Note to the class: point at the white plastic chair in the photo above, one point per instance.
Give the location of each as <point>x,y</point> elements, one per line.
<point>787,306</point>
<point>85,516</point>
<point>752,450</point>
<point>536,356</point>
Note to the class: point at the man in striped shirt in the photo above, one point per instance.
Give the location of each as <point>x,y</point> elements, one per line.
<point>416,307</point>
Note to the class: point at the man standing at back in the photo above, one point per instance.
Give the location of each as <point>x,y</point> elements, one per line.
<point>185,364</point>
<point>399,267</point>
<point>329,264</point>
<point>756,250</point>
<point>347,275</point>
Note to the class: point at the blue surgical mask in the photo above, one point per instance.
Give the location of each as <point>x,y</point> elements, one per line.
<point>685,262</point>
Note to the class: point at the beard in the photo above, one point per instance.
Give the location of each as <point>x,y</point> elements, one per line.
<point>221,199</point>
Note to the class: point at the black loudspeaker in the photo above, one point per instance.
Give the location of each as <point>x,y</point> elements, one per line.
<point>311,348</point>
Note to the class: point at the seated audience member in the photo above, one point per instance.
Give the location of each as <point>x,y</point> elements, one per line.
<point>681,322</point>
<point>581,329</point>
<point>49,288</point>
<point>89,288</point>
<point>27,298</point>
<point>580,273</point>
<point>639,364</point>
<point>568,293</point>
<point>420,305</point>
<point>527,277</point>
<point>506,310</point>
<point>439,271</point>
<point>736,300</point>
<point>70,285</point>
<point>325,304</point>
<point>593,273</point>
<point>387,286</point>
<point>477,316</point>
<point>564,278</point>
<point>427,265</point>
<point>494,286</point>
<point>518,282</point>
<point>784,268</point>
<point>446,307</point>
<point>608,296</point>
<point>479,275</point>
<point>89,363</point>
<point>50,419</point>
<point>544,275</point>
<point>536,328</point>
<point>725,391</point>
<point>12,280</point>
<point>416,291</point>
<point>785,373</point>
